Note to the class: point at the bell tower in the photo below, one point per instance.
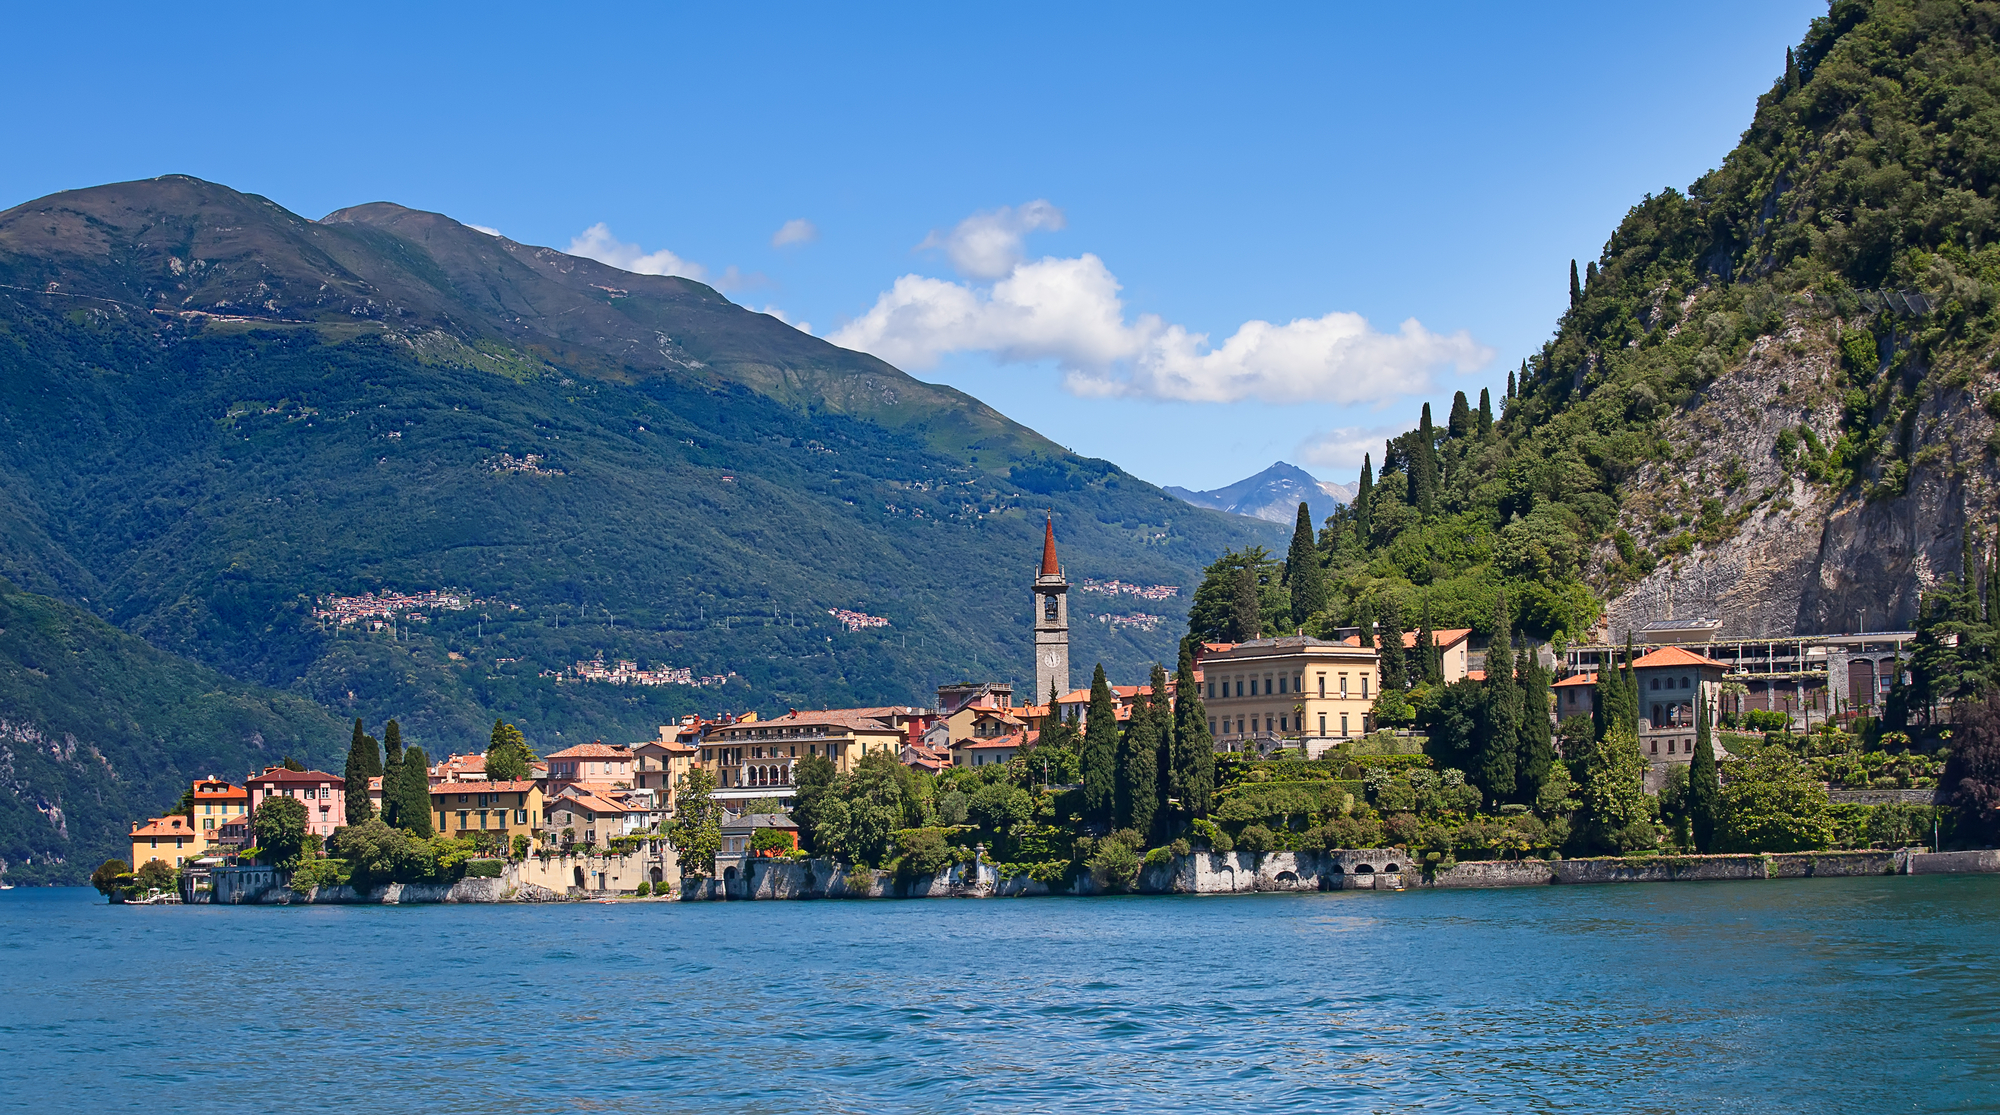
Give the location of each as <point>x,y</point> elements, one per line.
<point>1051,621</point>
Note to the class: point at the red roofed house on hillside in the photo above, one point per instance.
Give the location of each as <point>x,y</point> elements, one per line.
<point>1576,695</point>
<point>1671,680</point>
<point>324,795</point>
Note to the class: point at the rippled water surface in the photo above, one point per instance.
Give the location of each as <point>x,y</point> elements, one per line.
<point>1859,995</point>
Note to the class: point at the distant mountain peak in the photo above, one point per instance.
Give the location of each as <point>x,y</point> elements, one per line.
<point>1273,495</point>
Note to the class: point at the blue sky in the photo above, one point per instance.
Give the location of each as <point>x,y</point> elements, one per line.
<point>1071,211</point>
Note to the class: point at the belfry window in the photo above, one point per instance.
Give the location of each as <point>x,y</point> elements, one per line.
<point>1049,607</point>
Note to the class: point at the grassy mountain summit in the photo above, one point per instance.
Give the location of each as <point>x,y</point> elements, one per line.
<point>1732,418</point>
<point>218,414</point>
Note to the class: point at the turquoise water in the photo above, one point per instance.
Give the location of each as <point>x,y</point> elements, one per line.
<point>1848,995</point>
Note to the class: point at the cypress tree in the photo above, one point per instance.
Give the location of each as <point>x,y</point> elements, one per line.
<point>392,748</point>
<point>1395,663</point>
<point>1609,697</point>
<point>1139,768</point>
<point>1575,288</point>
<point>1163,766</point>
<point>1460,423</point>
<point>1500,711</point>
<point>1100,752</point>
<point>1424,466</point>
<point>1486,413</point>
<point>1303,575</point>
<point>1362,493</point>
<point>1538,740</point>
<point>1428,659</point>
<point>1791,71</point>
<point>413,793</point>
<point>1510,385</point>
<point>1246,619</point>
<point>1629,686</point>
<point>364,761</point>
<point>1704,783</point>
<point>1192,782</point>
<point>1589,274</point>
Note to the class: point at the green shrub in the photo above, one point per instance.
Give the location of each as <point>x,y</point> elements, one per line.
<point>642,890</point>
<point>484,868</point>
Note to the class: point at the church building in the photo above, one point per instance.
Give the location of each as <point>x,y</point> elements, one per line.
<point>1051,595</point>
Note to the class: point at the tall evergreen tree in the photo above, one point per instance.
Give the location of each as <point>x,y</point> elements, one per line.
<point>1460,423</point>
<point>1485,413</point>
<point>1575,288</point>
<point>1389,636</point>
<point>413,792</point>
<point>1163,766</point>
<point>1538,741</point>
<point>392,747</point>
<point>1303,575</point>
<point>1704,783</point>
<point>1510,386</point>
<point>1429,662</point>
<point>364,761</point>
<point>1609,697</point>
<point>1589,274</point>
<point>1500,712</point>
<point>1192,782</point>
<point>1100,752</point>
<point>1424,466</point>
<point>1363,531</point>
<point>1246,619</point>
<point>1791,71</point>
<point>507,754</point>
<point>1139,767</point>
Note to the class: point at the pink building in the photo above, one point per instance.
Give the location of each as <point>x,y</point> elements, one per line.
<point>324,795</point>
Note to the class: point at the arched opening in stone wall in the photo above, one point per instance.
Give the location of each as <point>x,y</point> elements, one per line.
<point>1363,869</point>
<point>580,884</point>
<point>729,874</point>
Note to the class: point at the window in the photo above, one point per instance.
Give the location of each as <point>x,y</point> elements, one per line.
<point>1364,687</point>
<point>520,816</point>
<point>1322,685</point>
<point>1684,683</point>
<point>1281,685</point>
<point>1211,691</point>
<point>461,819</point>
<point>1656,747</point>
<point>1239,687</point>
<point>1282,725</point>
<point>1343,687</point>
<point>1670,747</point>
<point>462,798</point>
<point>1656,683</point>
<point>1239,725</point>
<point>1211,725</point>
<point>1343,724</point>
<point>1322,724</point>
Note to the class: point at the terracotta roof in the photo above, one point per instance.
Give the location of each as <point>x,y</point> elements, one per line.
<point>1443,640</point>
<point>1676,656</point>
<point>1050,567</point>
<point>596,803</point>
<point>598,750</point>
<point>231,793</point>
<point>172,825</point>
<point>375,783</point>
<point>1015,740</point>
<point>860,719</point>
<point>484,786</point>
<point>1475,675</point>
<point>675,746</point>
<point>280,774</point>
<point>1576,679</point>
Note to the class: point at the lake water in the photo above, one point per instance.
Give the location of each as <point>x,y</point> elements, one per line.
<point>1848,995</point>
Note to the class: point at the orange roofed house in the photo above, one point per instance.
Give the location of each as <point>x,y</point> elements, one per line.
<point>172,840</point>
<point>483,805</point>
<point>1671,681</point>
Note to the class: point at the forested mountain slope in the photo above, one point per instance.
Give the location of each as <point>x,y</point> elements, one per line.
<point>217,413</point>
<point>97,729</point>
<point>1732,420</point>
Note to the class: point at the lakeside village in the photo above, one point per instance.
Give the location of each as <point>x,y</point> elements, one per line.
<point>1424,750</point>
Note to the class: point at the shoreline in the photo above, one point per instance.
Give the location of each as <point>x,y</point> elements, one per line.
<point>1200,873</point>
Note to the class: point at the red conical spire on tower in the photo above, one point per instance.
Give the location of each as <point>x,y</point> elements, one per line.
<point>1049,566</point>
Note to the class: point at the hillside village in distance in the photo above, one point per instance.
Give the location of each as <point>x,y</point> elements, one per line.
<point>599,817</point>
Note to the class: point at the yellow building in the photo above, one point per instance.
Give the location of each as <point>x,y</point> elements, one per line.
<point>171,840</point>
<point>1288,692</point>
<point>508,809</point>
<point>216,803</point>
<point>760,753</point>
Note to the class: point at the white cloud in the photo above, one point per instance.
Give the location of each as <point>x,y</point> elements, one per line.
<point>796,231</point>
<point>1343,447</point>
<point>484,229</point>
<point>988,245</point>
<point>801,326</point>
<point>596,242</point>
<point>1068,310</point>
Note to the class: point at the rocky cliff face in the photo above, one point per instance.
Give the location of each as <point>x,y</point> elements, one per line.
<point>1775,552</point>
